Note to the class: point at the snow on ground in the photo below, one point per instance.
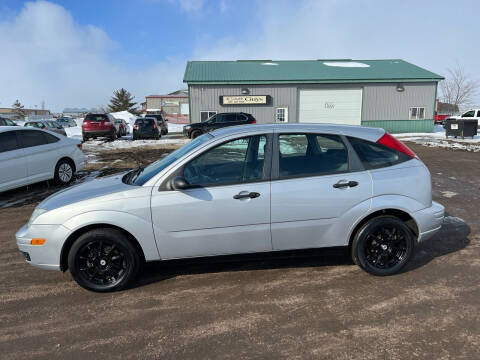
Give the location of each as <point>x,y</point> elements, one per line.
<point>175,128</point>
<point>438,139</point>
<point>128,143</point>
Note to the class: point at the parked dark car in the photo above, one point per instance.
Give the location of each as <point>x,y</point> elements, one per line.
<point>100,125</point>
<point>50,125</point>
<point>161,122</point>
<point>218,121</point>
<point>7,122</point>
<point>146,128</point>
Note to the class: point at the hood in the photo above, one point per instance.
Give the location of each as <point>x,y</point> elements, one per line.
<point>87,190</point>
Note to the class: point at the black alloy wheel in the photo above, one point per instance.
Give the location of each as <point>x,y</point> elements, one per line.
<point>103,260</point>
<point>383,246</point>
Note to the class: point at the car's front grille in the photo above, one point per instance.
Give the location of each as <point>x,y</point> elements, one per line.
<point>27,255</point>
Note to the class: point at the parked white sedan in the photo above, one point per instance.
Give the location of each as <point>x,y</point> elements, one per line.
<point>30,155</point>
<point>242,190</point>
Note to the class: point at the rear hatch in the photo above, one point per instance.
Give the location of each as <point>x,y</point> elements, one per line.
<point>145,125</point>
<point>96,122</point>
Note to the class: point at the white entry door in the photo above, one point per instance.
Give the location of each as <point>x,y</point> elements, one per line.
<point>331,106</point>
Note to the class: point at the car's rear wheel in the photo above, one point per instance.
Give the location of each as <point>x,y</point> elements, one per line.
<point>195,134</point>
<point>64,172</point>
<point>383,245</point>
<point>103,260</point>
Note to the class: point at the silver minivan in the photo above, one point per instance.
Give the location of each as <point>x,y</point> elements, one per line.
<point>239,190</point>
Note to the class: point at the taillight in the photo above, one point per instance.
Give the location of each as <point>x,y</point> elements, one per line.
<point>254,121</point>
<point>391,142</point>
<point>134,126</point>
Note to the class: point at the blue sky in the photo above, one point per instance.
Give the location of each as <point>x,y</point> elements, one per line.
<point>75,53</point>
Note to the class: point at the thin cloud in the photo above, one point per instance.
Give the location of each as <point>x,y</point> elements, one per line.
<point>53,59</point>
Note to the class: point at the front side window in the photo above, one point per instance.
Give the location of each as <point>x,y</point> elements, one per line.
<point>417,113</point>
<point>8,141</point>
<point>311,155</point>
<point>470,113</point>
<point>374,156</point>
<point>9,122</point>
<point>234,162</point>
<point>33,138</point>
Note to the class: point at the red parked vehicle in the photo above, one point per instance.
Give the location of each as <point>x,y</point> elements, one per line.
<point>100,125</point>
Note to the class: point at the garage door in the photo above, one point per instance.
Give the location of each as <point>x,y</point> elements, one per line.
<point>331,106</point>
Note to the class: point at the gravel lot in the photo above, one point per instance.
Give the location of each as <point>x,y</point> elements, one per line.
<point>305,305</point>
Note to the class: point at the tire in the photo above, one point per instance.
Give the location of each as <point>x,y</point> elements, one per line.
<point>383,246</point>
<point>113,137</point>
<point>134,137</point>
<point>64,172</point>
<point>195,134</point>
<point>85,138</point>
<point>158,136</point>
<point>103,260</point>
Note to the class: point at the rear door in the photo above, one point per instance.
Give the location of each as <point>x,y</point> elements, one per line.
<point>41,151</point>
<point>13,167</point>
<point>226,210</point>
<point>313,186</point>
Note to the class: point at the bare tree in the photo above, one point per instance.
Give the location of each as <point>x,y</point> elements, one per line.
<point>458,88</point>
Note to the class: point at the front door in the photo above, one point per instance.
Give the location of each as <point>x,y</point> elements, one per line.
<point>226,210</point>
<point>313,189</point>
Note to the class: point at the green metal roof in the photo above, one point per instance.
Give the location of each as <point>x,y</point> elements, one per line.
<point>304,71</point>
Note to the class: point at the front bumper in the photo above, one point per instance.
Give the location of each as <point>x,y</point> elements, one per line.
<point>429,220</point>
<point>46,256</point>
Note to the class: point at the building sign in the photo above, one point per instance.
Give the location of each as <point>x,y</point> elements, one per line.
<point>170,102</point>
<point>245,100</point>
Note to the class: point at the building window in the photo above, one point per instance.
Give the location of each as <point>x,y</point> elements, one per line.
<point>417,113</point>
<point>206,114</point>
<point>281,114</point>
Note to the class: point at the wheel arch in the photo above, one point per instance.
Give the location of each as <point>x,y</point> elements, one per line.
<point>67,245</point>
<point>400,214</point>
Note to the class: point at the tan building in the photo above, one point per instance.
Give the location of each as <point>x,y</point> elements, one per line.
<point>173,106</point>
<point>9,112</point>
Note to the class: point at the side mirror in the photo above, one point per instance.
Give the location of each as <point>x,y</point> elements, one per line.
<point>179,183</point>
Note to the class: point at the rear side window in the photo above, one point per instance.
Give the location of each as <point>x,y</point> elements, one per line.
<point>8,141</point>
<point>9,122</point>
<point>374,156</point>
<point>311,155</point>
<point>50,138</point>
<point>33,138</point>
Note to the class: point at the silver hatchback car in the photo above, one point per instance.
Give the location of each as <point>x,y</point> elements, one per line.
<point>241,190</point>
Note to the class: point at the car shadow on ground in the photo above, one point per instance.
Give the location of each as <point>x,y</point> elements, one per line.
<point>163,270</point>
<point>451,238</point>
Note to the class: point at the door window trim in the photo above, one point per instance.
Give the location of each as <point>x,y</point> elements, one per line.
<point>267,167</point>
<point>354,163</point>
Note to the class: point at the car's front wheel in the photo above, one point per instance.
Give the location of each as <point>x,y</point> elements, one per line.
<point>383,245</point>
<point>64,172</point>
<point>103,260</point>
<point>195,134</point>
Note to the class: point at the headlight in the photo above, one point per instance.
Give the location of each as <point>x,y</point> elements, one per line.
<point>36,213</point>
<point>187,127</point>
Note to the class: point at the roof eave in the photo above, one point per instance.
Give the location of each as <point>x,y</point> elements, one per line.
<point>342,81</point>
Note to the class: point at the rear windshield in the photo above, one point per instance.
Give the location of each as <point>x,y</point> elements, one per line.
<point>144,121</point>
<point>374,156</point>
<point>96,117</point>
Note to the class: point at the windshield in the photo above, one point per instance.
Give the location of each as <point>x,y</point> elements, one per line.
<point>153,169</point>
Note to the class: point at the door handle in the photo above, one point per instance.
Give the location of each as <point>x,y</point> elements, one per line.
<point>344,184</point>
<point>244,195</point>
